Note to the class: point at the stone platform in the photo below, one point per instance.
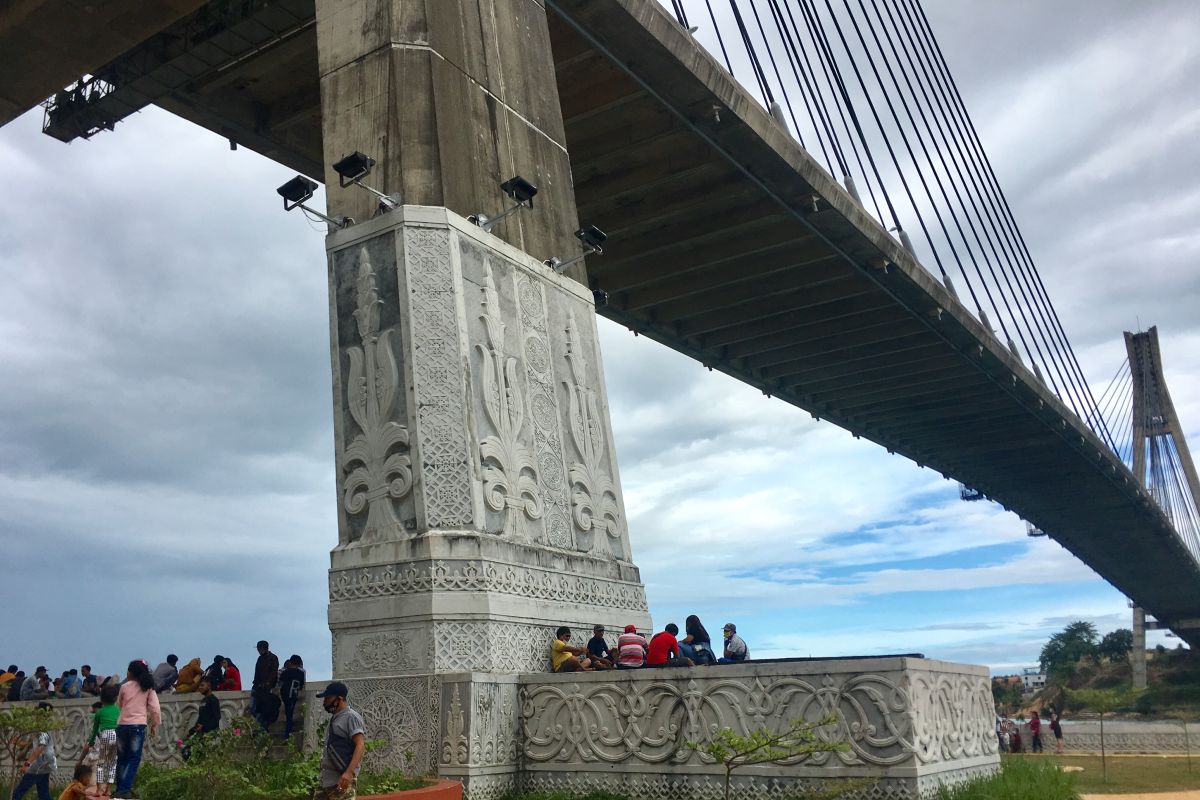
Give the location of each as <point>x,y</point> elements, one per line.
<point>912,724</point>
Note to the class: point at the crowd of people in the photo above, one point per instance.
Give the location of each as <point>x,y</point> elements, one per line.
<point>128,708</point>
<point>1010,739</point>
<point>634,651</point>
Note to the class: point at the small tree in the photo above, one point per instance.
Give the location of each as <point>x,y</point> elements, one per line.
<point>1067,647</point>
<point>1102,701</point>
<point>1116,644</point>
<point>764,746</point>
<point>18,726</point>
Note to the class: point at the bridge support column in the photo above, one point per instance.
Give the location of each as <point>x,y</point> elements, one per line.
<point>451,97</point>
<point>479,505</point>
<point>1137,656</point>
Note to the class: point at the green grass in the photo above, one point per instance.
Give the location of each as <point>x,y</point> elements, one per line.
<point>1129,774</point>
<point>1018,779</point>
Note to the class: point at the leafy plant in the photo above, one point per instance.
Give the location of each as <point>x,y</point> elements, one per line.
<point>18,727</point>
<point>1018,779</point>
<point>238,762</point>
<point>765,746</point>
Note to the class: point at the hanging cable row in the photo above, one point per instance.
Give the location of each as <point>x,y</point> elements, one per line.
<point>860,77</point>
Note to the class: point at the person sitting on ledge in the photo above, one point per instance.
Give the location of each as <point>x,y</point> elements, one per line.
<point>598,650</point>
<point>631,649</point>
<point>696,645</point>
<point>563,655</point>
<point>189,677</point>
<point>664,649</point>
<point>232,682</point>
<point>735,647</point>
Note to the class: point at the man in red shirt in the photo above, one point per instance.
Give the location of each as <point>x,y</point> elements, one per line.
<point>664,649</point>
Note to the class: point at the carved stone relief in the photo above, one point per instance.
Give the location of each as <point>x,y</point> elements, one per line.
<point>543,402</point>
<point>438,379</point>
<point>510,483</point>
<point>454,743</point>
<point>594,495</point>
<point>495,724</point>
<point>471,576</point>
<point>399,713</point>
<point>383,653</point>
<point>649,722</point>
<point>375,463</point>
<point>504,647</point>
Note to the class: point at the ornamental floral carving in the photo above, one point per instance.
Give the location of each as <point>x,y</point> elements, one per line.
<point>454,743</point>
<point>376,462</point>
<point>510,483</point>
<point>594,495</point>
<point>382,652</point>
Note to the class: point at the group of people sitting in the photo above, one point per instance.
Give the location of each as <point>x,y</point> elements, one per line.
<point>15,685</point>
<point>128,710</point>
<point>633,651</point>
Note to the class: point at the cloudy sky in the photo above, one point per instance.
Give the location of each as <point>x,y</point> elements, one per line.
<point>166,452</point>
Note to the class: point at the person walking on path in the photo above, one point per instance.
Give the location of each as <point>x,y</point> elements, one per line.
<point>104,738</point>
<point>39,766</point>
<point>345,742</point>
<point>139,707</point>
<point>291,686</point>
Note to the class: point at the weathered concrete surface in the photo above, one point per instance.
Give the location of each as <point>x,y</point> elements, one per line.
<point>451,97</point>
<point>47,44</point>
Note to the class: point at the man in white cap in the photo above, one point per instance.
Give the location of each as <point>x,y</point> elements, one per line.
<point>344,745</point>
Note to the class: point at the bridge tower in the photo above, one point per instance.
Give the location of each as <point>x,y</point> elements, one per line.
<point>1161,459</point>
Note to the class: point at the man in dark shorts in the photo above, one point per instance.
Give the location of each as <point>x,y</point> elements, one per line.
<point>345,741</point>
<point>602,655</point>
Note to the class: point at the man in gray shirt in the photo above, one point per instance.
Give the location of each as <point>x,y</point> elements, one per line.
<point>32,688</point>
<point>344,745</point>
<point>735,646</point>
<point>40,764</point>
<point>165,674</point>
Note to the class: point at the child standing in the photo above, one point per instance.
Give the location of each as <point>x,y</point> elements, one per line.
<point>39,765</point>
<point>104,738</point>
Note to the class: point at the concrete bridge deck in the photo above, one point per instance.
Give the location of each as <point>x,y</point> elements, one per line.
<point>729,243</point>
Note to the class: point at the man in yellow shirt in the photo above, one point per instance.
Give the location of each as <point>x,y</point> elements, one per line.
<point>563,655</point>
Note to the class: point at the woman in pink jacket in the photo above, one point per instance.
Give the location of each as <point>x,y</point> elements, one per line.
<point>139,706</point>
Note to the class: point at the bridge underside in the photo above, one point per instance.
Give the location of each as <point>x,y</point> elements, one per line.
<point>729,243</point>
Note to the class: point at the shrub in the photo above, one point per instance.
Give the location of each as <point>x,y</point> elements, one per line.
<point>1018,779</point>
